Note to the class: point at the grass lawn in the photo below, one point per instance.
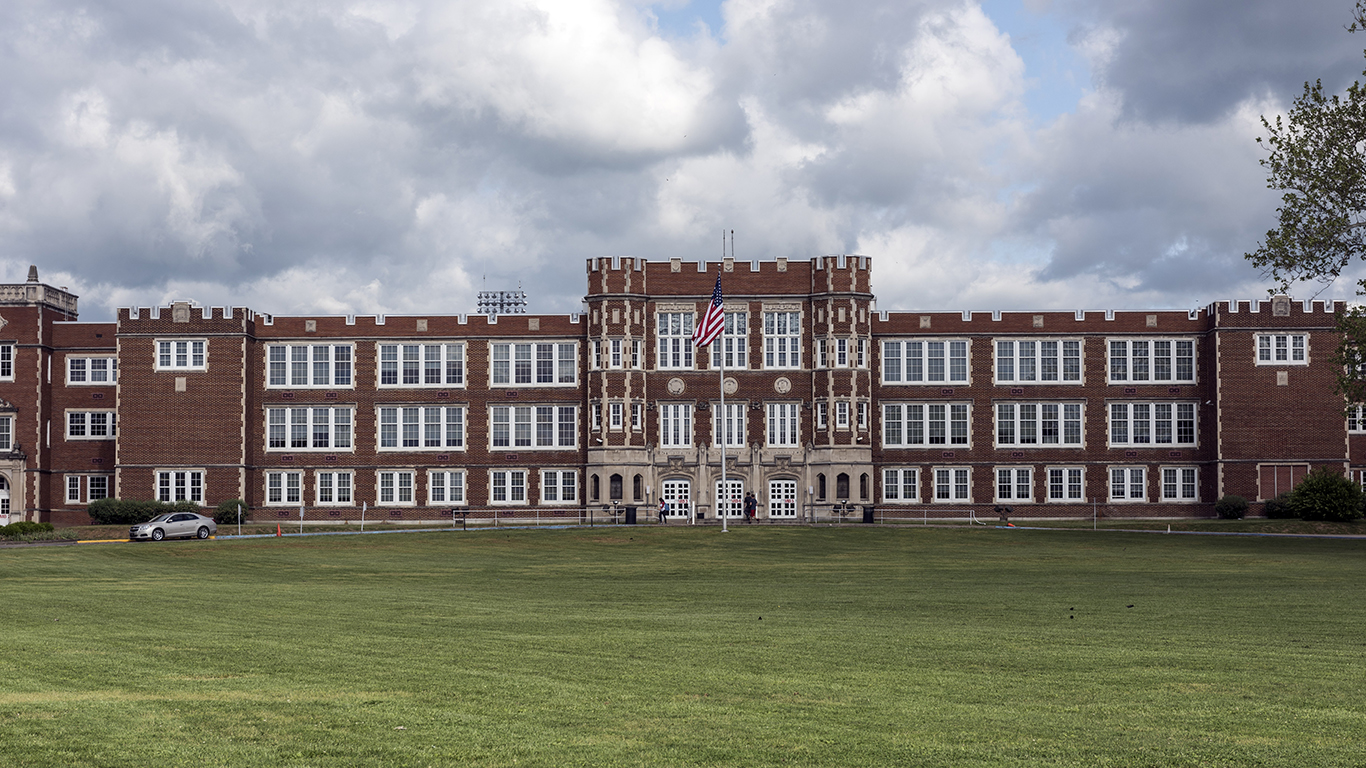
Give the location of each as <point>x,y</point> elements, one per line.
<point>647,646</point>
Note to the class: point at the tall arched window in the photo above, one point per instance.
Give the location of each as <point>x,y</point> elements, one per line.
<point>638,488</point>
<point>820,487</point>
<point>614,487</point>
<point>863,486</point>
<point>842,486</point>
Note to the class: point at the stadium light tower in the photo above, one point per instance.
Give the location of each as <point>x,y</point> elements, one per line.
<point>502,302</point>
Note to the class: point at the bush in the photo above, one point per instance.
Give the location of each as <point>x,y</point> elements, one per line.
<point>24,528</point>
<point>1279,507</point>
<point>1326,494</point>
<point>132,511</point>
<point>1231,508</point>
<point>226,512</point>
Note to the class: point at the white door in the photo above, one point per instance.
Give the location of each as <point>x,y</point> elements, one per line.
<point>730,497</point>
<point>782,498</point>
<point>4,501</point>
<point>678,495</point>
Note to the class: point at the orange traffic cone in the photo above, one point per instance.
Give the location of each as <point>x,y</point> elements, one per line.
<point>277,529</point>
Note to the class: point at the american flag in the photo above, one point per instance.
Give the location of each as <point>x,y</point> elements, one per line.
<point>713,321</point>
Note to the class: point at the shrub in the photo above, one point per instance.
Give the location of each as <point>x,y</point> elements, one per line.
<point>24,528</point>
<point>226,512</point>
<point>132,511</point>
<point>1231,508</point>
<point>1279,507</point>
<point>1325,494</point>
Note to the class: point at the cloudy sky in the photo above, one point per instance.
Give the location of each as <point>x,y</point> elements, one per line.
<point>396,156</point>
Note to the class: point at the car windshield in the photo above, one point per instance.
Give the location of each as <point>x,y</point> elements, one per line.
<point>160,518</point>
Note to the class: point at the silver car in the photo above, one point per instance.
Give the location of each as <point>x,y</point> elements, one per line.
<point>174,525</point>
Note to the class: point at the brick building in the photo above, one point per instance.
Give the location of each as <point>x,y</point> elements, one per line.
<point>828,401</point>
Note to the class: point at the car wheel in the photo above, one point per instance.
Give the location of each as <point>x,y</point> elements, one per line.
<point>158,534</point>
<point>203,532</point>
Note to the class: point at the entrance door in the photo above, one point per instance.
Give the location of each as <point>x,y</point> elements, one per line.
<point>678,495</point>
<point>730,498</point>
<point>4,501</point>
<point>782,498</point>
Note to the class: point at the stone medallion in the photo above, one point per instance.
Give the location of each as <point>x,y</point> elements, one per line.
<point>782,386</point>
<point>730,386</point>
<point>676,386</point>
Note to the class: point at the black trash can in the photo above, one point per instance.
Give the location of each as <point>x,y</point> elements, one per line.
<point>868,514</point>
<point>630,515</point>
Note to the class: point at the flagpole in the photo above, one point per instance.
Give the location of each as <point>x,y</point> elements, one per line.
<point>721,427</point>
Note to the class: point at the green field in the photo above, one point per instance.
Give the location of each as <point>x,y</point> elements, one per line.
<point>685,646</point>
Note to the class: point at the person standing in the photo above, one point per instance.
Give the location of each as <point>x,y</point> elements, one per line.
<point>663,510</point>
<point>751,507</point>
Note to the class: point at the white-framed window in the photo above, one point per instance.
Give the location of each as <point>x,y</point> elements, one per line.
<point>1028,424</point>
<point>421,427</point>
<point>901,485</point>
<point>782,425</point>
<point>309,365</point>
<point>637,416</point>
<point>841,414</point>
<point>729,421</point>
<point>595,415</point>
<point>90,425</point>
<point>637,358</point>
<point>1282,349</point>
<point>861,353</point>
<point>733,342</point>
<point>96,487</point>
<point>1015,484</point>
<point>782,340</point>
<point>6,433</point>
<point>6,362</point>
<point>1128,484</point>
<point>1038,361</point>
<point>1356,418</point>
<point>421,365</point>
<point>394,487</point>
<point>1065,484</point>
<point>559,486</point>
<point>1152,424</point>
<point>921,425</point>
<point>822,415</point>
<point>614,354</point>
<point>87,371</point>
<point>675,425</point>
<point>1158,360</point>
<point>614,415</point>
<point>675,341</point>
<point>507,486</point>
<point>822,353</point>
<point>182,355</point>
<point>1180,484</point>
<point>334,487</point>
<point>533,426</point>
<point>863,415</point>
<point>180,485</point>
<point>284,489</point>
<point>446,487</point>
<point>952,484</point>
<point>309,428</point>
<point>841,353</point>
<point>933,361</point>
<point>533,364</point>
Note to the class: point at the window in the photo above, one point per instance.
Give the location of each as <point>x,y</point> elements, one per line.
<point>181,355</point>
<point>901,486</point>
<point>1065,484</point>
<point>952,484</point>
<point>924,424</point>
<point>1283,349</point>
<point>1026,424</point>
<point>334,488</point>
<point>446,487</point>
<point>782,340</point>
<point>90,425</point>
<point>841,414</point>
<point>733,342</point>
<point>309,365</point>
<point>284,488</point>
<point>1128,484</point>
<point>614,418</point>
<point>180,485</point>
<point>559,486</point>
<point>1015,484</point>
<point>822,415</point>
<point>1179,484</point>
<point>1160,360</point>
<point>96,487</point>
<point>841,353</point>
<point>675,340</point>
<point>675,425</point>
<point>1038,361</point>
<point>1356,418</point>
<point>535,364</point>
<point>533,426</point>
<point>1152,424</point>
<point>637,359</point>
<point>637,422</point>
<point>1275,479</point>
<point>615,345</point>
<point>729,421</point>
<point>823,352</point>
<point>863,416</point>
<point>595,415</point>
<point>422,365</point>
<point>308,429</point>
<point>925,362</point>
<point>90,370</point>
<point>6,433</point>
<point>507,486</point>
<point>862,353</point>
<point>415,427</point>
<point>395,487</point>
<point>782,424</point>
<point>6,362</point>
